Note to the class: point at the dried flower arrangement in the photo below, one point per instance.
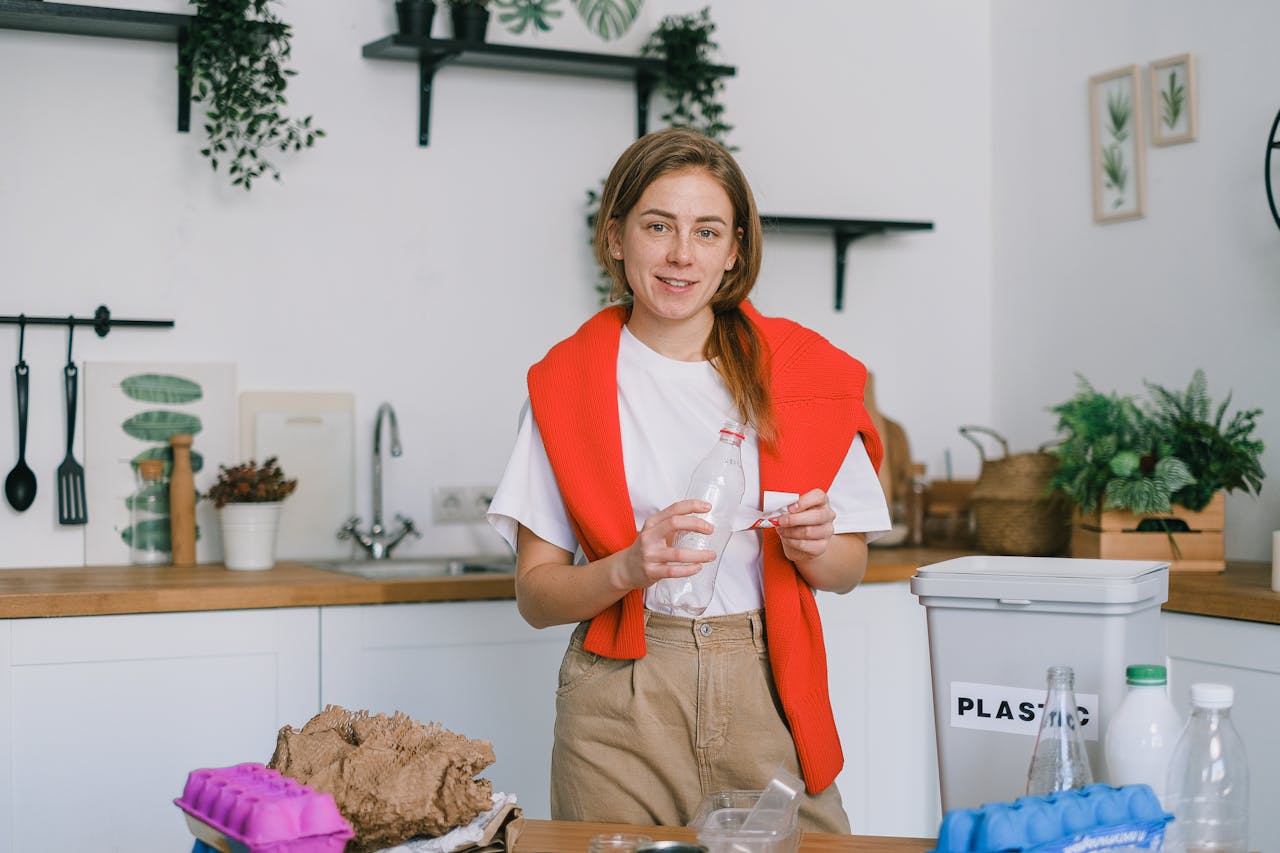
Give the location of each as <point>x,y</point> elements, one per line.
<point>250,483</point>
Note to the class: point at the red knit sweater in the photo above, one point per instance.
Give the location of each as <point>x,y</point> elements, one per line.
<point>817,398</point>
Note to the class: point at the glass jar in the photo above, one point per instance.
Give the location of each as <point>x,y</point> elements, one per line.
<point>148,534</point>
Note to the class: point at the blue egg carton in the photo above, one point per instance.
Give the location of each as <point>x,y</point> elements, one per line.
<point>1095,818</point>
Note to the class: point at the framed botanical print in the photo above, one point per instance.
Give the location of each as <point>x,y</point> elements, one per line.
<point>1115,110</point>
<point>1173,100</point>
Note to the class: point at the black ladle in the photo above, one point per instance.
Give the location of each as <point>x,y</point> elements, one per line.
<point>20,485</point>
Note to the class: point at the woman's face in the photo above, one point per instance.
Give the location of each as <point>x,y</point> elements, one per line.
<point>676,245</point>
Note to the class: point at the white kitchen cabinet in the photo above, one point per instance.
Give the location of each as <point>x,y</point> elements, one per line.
<point>1245,655</point>
<point>476,667</point>
<point>882,695</point>
<point>102,717</point>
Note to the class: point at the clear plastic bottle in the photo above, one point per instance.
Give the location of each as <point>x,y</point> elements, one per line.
<point>1208,785</point>
<point>718,480</point>
<point>149,537</point>
<point>1059,762</point>
<point>1140,737</point>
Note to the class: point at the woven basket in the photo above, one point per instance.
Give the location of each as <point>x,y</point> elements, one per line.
<point>1013,512</point>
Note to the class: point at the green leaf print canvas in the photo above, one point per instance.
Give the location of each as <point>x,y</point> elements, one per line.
<point>131,410</point>
<point>1116,138</point>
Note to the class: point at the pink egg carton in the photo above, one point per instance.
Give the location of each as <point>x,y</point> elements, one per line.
<point>251,809</point>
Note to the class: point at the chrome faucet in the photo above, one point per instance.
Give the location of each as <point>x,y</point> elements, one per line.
<point>376,541</point>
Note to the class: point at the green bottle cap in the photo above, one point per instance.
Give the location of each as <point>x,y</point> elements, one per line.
<point>1146,673</point>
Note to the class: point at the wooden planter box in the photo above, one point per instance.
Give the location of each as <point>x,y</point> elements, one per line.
<point>1113,535</point>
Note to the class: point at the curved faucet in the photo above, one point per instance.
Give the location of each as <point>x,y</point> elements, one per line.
<point>376,543</point>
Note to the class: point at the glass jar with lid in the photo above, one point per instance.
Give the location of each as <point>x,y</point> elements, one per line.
<point>148,534</point>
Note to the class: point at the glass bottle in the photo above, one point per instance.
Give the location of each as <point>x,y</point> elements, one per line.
<point>718,479</point>
<point>149,538</point>
<point>1208,784</point>
<point>1059,762</point>
<point>1141,734</point>
<point>916,504</point>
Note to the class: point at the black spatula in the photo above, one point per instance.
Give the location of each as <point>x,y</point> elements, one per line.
<point>71,508</point>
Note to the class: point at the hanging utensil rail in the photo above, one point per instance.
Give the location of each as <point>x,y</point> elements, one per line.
<point>102,321</point>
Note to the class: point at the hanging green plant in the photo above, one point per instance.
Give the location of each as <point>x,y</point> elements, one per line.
<point>237,52</point>
<point>689,80</point>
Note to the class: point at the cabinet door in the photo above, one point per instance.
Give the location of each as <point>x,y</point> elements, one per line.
<point>882,695</point>
<point>1245,655</point>
<point>102,717</point>
<point>475,667</point>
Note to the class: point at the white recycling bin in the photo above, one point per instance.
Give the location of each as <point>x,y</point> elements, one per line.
<point>996,624</point>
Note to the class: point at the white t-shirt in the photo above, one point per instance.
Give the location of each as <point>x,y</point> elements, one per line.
<point>670,414</point>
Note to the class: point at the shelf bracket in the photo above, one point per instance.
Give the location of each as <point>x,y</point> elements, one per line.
<point>645,83</point>
<point>427,65</point>
<point>843,239</point>
<point>184,81</point>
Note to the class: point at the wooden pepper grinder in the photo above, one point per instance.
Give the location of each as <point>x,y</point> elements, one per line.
<point>182,503</point>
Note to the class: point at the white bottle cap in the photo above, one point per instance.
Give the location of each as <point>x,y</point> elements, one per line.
<point>1205,695</point>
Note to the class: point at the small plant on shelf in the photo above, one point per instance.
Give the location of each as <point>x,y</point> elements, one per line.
<point>236,54</point>
<point>249,482</point>
<point>689,80</point>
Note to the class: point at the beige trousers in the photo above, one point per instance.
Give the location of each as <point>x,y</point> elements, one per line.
<point>643,741</point>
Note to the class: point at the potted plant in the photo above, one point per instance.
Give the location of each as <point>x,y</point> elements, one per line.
<point>470,19</point>
<point>248,497</point>
<point>1157,465</point>
<point>236,54</point>
<point>689,80</point>
<point>414,17</point>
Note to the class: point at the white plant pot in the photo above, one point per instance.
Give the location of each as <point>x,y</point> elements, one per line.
<point>249,535</point>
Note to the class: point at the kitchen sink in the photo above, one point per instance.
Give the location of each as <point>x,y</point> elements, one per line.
<point>422,567</point>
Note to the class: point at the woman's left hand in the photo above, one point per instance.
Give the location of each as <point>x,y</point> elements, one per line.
<point>807,527</point>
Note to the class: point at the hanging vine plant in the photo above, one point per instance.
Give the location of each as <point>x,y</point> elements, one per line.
<point>237,52</point>
<point>690,82</point>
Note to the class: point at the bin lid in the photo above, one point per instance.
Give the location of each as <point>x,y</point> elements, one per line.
<point>1045,579</point>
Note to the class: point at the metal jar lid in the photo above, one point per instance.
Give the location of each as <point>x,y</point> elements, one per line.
<point>671,847</point>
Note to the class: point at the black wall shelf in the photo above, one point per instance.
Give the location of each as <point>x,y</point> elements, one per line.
<point>845,232</point>
<point>72,19</point>
<point>431,54</point>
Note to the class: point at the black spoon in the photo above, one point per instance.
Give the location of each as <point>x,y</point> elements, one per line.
<point>20,485</point>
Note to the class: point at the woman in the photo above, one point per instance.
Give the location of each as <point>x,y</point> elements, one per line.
<point>654,711</point>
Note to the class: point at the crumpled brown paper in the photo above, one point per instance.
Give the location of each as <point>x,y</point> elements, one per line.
<point>393,778</point>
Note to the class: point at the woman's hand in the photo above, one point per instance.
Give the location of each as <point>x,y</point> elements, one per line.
<point>826,560</point>
<point>807,527</point>
<point>652,557</point>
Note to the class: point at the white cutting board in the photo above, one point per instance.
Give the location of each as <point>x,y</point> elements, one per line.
<point>311,433</point>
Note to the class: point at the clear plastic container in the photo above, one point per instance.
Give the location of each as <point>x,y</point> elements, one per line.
<point>148,534</point>
<point>719,824</point>
<point>718,480</point>
<point>1208,787</point>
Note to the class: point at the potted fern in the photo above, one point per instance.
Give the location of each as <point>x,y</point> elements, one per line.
<point>1160,465</point>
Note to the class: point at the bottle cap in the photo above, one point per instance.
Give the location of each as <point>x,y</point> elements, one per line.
<point>1146,673</point>
<point>1217,696</point>
<point>151,469</point>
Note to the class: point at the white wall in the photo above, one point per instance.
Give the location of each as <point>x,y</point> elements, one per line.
<point>431,277</point>
<point>1192,284</point>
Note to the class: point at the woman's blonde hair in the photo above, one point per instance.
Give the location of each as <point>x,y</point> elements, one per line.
<point>734,346</point>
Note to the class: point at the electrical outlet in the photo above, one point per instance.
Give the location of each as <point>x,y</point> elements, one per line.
<point>461,504</point>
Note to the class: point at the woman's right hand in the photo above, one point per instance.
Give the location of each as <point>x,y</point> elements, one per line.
<point>651,557</point>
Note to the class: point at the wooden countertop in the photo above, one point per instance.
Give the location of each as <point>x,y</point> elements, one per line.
<point>560,836</point>
<point>1242,592</point>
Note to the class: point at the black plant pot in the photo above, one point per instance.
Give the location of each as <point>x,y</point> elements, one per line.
<point>469,21</point>
<point>415,16</point>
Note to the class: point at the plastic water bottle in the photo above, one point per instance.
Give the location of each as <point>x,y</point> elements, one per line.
<point>1208,784</point>
<point>1140,737</point>
<point>719,481</point>
<point>1059,762</point>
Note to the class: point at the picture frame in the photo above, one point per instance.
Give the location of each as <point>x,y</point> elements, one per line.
<point>1115,120</point>
<point>1173,100</point>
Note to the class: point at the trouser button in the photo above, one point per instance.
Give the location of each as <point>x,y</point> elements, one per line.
<point>704,629</point>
